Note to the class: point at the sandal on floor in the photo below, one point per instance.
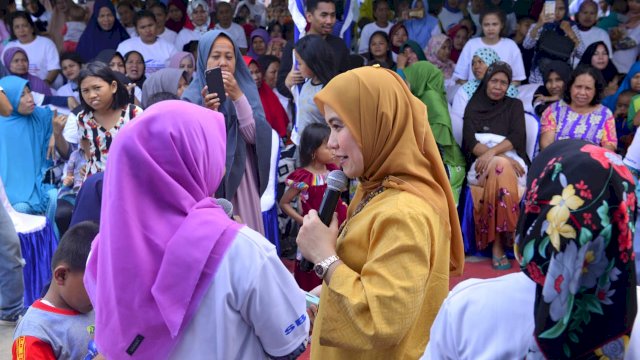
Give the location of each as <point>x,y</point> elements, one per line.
<point>498,265</point>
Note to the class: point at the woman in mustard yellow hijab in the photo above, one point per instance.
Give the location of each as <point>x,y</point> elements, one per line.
<point>386,271</point>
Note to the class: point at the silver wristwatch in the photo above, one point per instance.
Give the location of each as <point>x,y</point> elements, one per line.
<point>322,267</point>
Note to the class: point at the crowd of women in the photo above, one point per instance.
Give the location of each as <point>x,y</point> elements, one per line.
<point>496,82</point>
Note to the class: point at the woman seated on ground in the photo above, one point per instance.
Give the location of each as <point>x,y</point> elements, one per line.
<point>17,62</point>
<point>25,150</point>
<point>426,82</point>
<point>438,52</point>
<point>575,257</point>
<point>482,59</point>
<point>556,77</point>
<point>580,115</point>
<point>410,53</point>
<point>543,31</point>
<point>494,139</point>
<point>380,51</point>
<point>168,80</point>
<point>185,61</point>
<point>397,37</point>
<point>493,23</point>
<point>44,60</point>
<point>598,56</point>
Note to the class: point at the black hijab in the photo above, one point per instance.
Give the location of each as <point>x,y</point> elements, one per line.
<point>486,115</point>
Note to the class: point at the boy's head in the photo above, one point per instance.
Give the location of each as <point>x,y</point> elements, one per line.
<point>622,105</point>
<point>524,24</point>
<point>77,13</point>
<point>68,265</point>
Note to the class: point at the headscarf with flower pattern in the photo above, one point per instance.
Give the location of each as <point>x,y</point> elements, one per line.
<point>488,56</point>
<point>574,240</point>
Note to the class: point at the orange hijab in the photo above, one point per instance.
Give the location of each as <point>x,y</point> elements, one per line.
<point>399,151</point>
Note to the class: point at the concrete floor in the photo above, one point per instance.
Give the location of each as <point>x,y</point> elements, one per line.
<point>6,337</point>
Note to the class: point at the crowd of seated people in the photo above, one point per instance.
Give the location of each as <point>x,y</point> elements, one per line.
<point>502,81</point>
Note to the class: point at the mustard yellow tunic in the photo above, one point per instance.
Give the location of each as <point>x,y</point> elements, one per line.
<point>382,301</point>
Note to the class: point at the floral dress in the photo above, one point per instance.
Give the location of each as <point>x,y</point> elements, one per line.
<point>598,126</point>
<point>312,188</point>
<point>99,138</point>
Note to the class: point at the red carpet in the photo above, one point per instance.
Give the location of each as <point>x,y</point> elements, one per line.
<point>479,268</point>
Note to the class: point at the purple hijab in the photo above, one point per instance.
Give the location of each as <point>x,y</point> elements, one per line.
<point>174,61</point>
<point>155,256</point>
<point>94,39</point>
<point>260,33</point>
<point>35,83</point>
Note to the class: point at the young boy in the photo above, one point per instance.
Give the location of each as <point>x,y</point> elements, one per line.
<point>623,132</point>
<point>55,327</point>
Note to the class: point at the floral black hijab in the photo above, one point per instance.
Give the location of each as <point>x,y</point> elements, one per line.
<point>574,239</point>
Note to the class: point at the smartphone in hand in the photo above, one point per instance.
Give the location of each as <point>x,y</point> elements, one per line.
<point>550,8</point>
<point>214,83</point>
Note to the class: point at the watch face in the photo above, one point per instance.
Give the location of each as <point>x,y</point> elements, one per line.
<point>319,270</point>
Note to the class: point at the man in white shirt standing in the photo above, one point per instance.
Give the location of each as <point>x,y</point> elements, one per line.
<point>160,11</point>
<point>225,23</point>
<point>156,52</point>
<point>381,15</point>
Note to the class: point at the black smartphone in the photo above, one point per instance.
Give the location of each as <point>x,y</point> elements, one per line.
<point>214,83</point>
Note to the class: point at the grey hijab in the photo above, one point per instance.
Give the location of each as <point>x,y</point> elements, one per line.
<point>236,146</point>
<point>164,80</point>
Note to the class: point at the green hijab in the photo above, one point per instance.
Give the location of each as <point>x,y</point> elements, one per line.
<point>427,84</point>
<point>416,49</point>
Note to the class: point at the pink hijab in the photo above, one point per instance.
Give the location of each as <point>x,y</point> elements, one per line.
<point>435,43</point>
<point>161,236</point>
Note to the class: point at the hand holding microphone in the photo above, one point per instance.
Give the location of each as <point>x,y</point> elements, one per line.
<point>315,241</point>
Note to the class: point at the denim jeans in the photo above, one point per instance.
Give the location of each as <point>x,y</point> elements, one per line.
<point>11,263</point>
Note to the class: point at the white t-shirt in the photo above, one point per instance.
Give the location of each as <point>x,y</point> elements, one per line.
<point>132,31</point>
<point>485,320</point>
<point>507,49</point>
<point>169,36</point>
<point>185,36</point>
<point>156,56</point>
<point>366,33</point>
<point>623,59</point>
<point>591,36</point>
<point>252,307</point>
<point>67,90</point>
<point>70,131</point>
<point>632,159</point>
<point>448,18</point>
<point>43,55</point>
<point>237,34</point>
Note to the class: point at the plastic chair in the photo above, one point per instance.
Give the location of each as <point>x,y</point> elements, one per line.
<point>268,201</point>
<point>38,243</point>
<point>466,221</point>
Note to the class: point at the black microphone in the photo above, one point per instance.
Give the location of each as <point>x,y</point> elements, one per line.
<point>336,183</point>
<point>226,205</point>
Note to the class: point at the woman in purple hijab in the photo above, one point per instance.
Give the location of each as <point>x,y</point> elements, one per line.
<point>163,274</point>
<point>16,61</point>
<point>103,31</point>
<point>258,42</point>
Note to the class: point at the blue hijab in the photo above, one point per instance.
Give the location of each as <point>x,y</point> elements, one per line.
<point>236,146</point>
<point>23,148</point>
<point>611,100</point>
<point>419,30</point>
<point>94,39</point>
